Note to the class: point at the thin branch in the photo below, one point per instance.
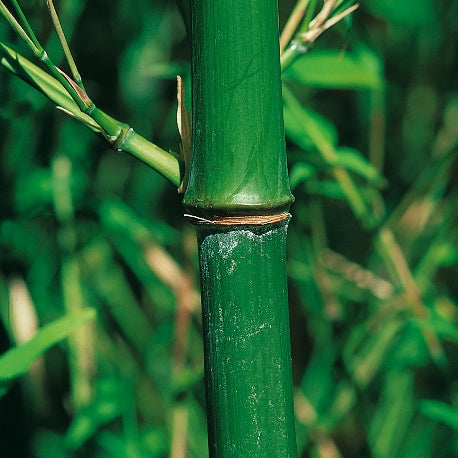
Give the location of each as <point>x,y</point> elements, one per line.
<point>324,14</point>
<point>40,53</point>
<point>19,30</point>
<point>64,43</point>
<point>25,23</point>
<point>308,16</point>
<point>118,134</point>
<point>302,43</point>
<point>293,23</point>
<point>398,267</point>
<point>310,36</point>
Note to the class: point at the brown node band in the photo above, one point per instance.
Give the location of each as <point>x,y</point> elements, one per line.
<point>253,220</point>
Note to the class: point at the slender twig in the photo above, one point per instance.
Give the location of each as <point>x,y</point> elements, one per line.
<point>357,274</point>
<point>310,36</point>
<point>19,30</point>
<point>308,16</point>
<point>323,15</point>
<point>113,130</point>
<point>25,23</point>
<point>312,29</point>
<point>63,42</point>
<point>84,103</point>
<point>121,136</point>
<point>293,23</point>
<point>164,162</point>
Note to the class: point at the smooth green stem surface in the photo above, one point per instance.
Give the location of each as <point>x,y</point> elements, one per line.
<point>238,160</point>
<point>247,349</point>
<point>295,50</point>
<point>162,161</point>
<point>238,170</point>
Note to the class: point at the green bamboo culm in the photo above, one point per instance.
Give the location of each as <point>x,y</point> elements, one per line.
<point>247,348</point>
<point>238,193</point>
<point>238,162</point>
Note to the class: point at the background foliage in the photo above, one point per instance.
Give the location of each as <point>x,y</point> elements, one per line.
<point>371,117</point>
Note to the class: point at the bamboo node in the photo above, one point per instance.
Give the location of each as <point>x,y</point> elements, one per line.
<point>251,220</point>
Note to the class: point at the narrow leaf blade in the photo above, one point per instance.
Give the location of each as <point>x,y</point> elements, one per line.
<point>16,362</point>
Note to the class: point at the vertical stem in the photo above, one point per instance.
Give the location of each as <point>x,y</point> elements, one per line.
<point>238,161</point>
<point>247,349</point>
<point>238,193</point>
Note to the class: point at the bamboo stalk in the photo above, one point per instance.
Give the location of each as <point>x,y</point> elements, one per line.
<point>238,196</point>
<point>246,335</point>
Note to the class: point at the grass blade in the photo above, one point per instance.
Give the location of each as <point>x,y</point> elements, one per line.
<point>16,361</point>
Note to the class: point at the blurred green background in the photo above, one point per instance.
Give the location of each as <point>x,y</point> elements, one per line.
<point>371,114</point>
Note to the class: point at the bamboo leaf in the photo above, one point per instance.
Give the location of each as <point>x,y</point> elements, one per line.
<point>299,173</point>
<point>332,70</point>
<point>107,405</point>
<point>354,161</point>
<point>440,412</point>
<point>390,421</point>
<point>306,127</point>
<point>16,362</point>
<point>326,188</point>
<point>439,326</point>
<point>43,82</point>
<point>408,13</point>
<point>310,130</point>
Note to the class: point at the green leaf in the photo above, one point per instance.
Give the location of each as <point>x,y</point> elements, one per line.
<point>409,13</point>
<point>107,405</point>
<point>440,412</point>
<point>326,188</point>
<point>305,127</point>
<point>393,415</point>
<point>43,82</point>
<point>334,70</point>
<point>440,326</point>
<point>354,161</point>
<point>33,189</point>
<point>16,362</point>
<point>299,173</point>
<point>295,116</point>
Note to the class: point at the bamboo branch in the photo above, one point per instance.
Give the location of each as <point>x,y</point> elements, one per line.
<point>31,43</point>
<point>310,30</point>
<point>63,42</point>
<point>29,38</point>
<point>293,23</point>
<point>25,23</point>
<point>118,134</point>
<point>162,161</point>
<point>397,265</point>
<point>310,36</point>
